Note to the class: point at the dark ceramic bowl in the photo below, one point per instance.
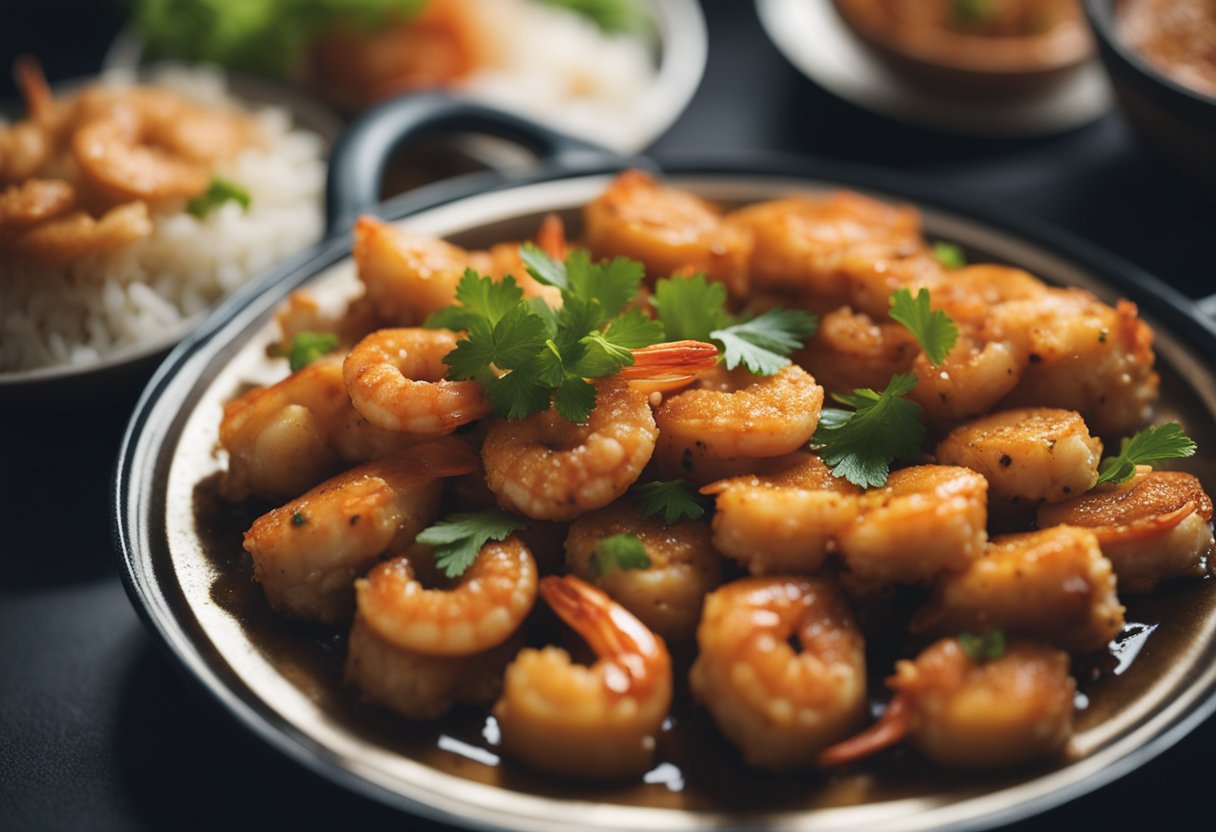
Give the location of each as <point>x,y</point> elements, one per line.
<point>1179,121</point>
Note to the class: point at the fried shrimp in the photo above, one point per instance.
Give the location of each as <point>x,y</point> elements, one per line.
<point>481,610</point>
<point>32,202</point>
<point>592,723</point>
<point>667,594</point>
<point>1053,584</point>
<point>1084,356</point>
<point>116,156</point>
<point>64,238</point>
<point>1037,453</point>
<point>851,349</point>
<point>395,378</point>
<point>307,553</point>
<point>927,520</point>
<point>1007,711</point>
<point>736,415</point>
<point>1155,526</point>
<point>408,276</point>
<point>783,522</point>
<point>549,468</point>
<point>780,705</point>
<point>974,376</point>
<point>669,230</point>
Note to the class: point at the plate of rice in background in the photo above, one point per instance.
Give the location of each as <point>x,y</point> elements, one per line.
<point>128,207</point>
<point>615,72</point>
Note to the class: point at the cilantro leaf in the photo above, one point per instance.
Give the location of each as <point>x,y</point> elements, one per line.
<point>618,551</point>
<point>518,393</point>
<point>1155,443</point>
<point>543,267</point>
<point>949,255</point>
<point>633,330</point>
<point>459,538</point>
<point>613,284</point>
<point>517,337</point>
<point>218,192</point>
<point>861,445</point>
<point>575,399</point>
<point>763,343</point>
<point>673,500</point>
<point>481,299</point>
<point>690,307</point>
<point>307,347</point>
<point>934,329</point>
<point>983,648</point>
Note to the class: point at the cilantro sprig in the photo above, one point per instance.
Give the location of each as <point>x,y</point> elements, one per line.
<point>218,192</point>
<point>934,329</point>
<point>620,552</point>
<point>672,500</point>
<point>860,445</point>
<point>305,348</point>
<point>525,355</point>
<point>695,308</point>
<point>459,538</point>
<point>949,255</point>
<point>986,647</point>
<point>1153,444</point>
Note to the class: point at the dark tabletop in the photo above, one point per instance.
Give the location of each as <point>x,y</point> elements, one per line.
<point>100,730</point>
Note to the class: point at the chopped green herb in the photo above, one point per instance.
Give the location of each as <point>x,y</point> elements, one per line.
<point>694,308</point>
<point>618,551</point>
<point>949,255</point>
<point>269,37</point>
<point>933,328</point>
<point>298,519</point>
<point>673,500</point>
<point>218,192</point>
<point>861,444</point>
<point>1155,443</point>
<point>628,16</point>
<point>459,538</point>
<point>973,11</point>
<point>527,356</point>
<point>983,648</point>
<point>307,347</point>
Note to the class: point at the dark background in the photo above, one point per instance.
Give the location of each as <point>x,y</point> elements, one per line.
<point>99,730</point>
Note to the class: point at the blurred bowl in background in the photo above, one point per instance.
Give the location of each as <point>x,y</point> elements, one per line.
<point>1175,118</point>
<point>971,48</point>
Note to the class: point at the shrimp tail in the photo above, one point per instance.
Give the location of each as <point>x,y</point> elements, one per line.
<point>607,627</point>
<point>670,366</point>
<point>551,237</point>
<point>890,729</point>
<point>34,87</point>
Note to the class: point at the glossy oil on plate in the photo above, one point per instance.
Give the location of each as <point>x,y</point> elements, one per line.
<point>188,575</point>
<point>814,38</point>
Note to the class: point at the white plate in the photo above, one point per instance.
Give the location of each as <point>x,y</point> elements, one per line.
<point>812,35</point>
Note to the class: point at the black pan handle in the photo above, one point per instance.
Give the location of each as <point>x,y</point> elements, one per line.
<point>358,161</point>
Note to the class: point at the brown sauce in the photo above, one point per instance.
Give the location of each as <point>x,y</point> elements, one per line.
<point>1178,37</point>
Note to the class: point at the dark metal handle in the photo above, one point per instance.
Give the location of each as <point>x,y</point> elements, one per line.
<point>358,161</point>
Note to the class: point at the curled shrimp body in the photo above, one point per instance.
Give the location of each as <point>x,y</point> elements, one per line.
<point>1037,453</point>
<point>800,242</point>
<point>737,415</point>
<point>283,439</point>
<point>307,553</point>
<point>943,508</point>
<point>1008,711</point>
<point>669,230</point>
<point>1053,584</point>
<point>32,202</point>
<point>780,705</point>
<point>420,686</point>
<point>116,157</point>
<point>395,378</point>
<point>1155,526</point>
<point>549,468</point>
<point>1084,356</point>
<point>783,522</point>
<point>851,349</point>
<point>975,375</point>
<point>667,595</point>
<point>68,236</point>
<point>588,722</point>
<point>485,606</point>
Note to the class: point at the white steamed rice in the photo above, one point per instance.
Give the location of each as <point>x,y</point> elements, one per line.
<point>146,294</point>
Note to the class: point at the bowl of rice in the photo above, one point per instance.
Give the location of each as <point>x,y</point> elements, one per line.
<point>614,72</point>
<point>98,279</point>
